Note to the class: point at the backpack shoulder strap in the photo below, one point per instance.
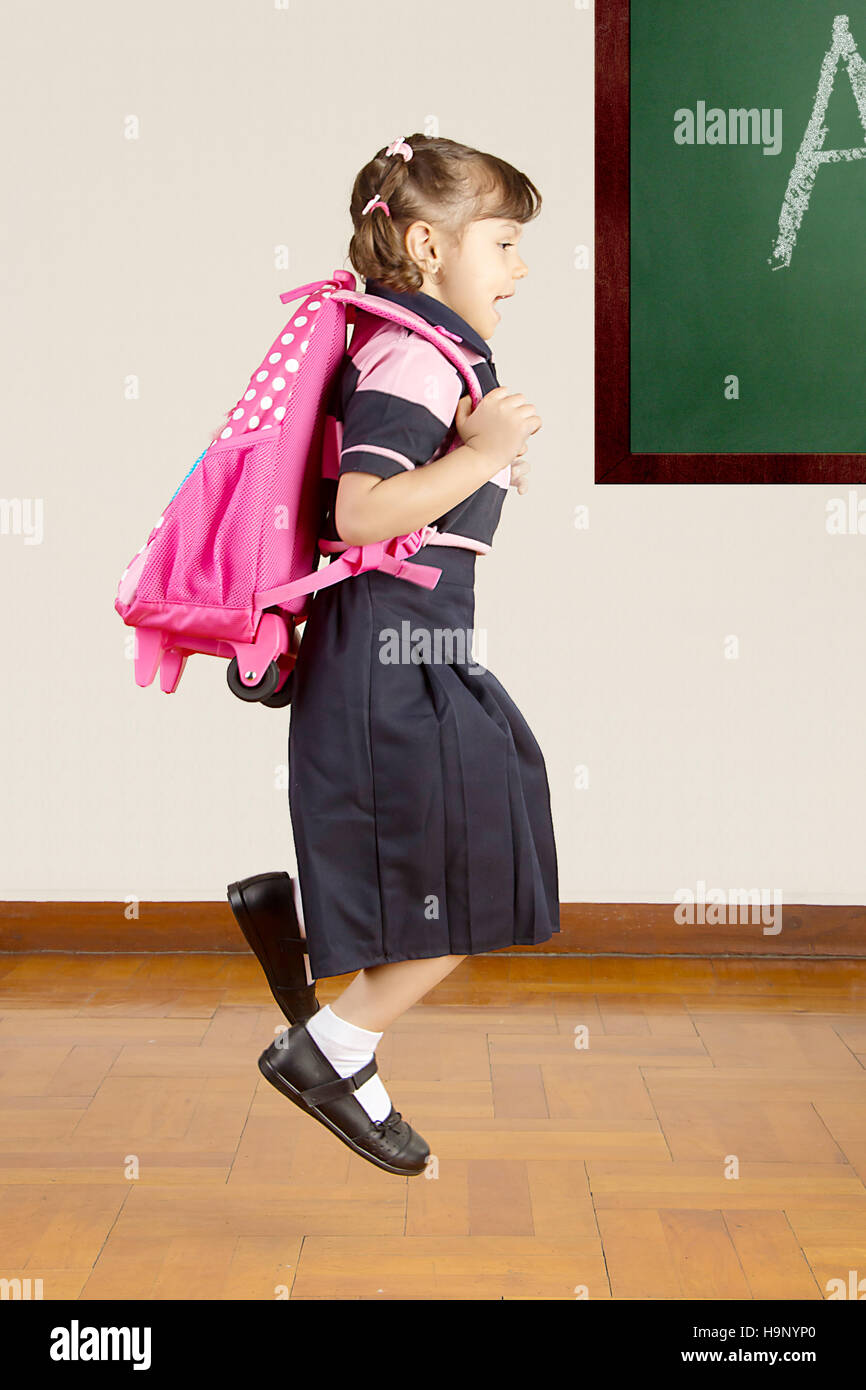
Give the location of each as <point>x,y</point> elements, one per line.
<point>395,313</point>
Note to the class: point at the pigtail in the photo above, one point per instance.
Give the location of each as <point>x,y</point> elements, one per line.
<point>377,250</point>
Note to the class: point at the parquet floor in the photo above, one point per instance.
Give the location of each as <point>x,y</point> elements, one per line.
<point>708,1141</point>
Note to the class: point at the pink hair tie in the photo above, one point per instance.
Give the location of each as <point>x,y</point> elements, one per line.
<point>376,202</point>
<point>399,146</point>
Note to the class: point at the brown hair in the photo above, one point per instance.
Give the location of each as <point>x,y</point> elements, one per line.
<point>443,182</point>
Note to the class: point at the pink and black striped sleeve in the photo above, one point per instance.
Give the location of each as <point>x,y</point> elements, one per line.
<point>400,395</point>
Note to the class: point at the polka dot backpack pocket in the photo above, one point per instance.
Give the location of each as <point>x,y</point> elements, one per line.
<point>230,567</point>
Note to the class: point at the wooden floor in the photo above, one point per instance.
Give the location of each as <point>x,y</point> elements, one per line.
<point>709,1142</point>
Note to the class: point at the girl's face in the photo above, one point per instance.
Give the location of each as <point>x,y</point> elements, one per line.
<point>483,269</point>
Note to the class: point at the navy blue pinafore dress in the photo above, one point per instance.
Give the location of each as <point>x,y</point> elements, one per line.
<point>419,797</point>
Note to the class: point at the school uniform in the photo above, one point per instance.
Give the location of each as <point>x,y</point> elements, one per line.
<point>419,797</point>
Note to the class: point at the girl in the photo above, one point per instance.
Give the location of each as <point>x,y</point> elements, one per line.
<point>419,797</point>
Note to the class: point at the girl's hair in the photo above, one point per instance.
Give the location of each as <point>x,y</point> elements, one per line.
<point>443,182</point>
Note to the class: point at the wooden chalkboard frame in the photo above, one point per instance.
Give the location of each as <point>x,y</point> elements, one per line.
<point>614,461</point>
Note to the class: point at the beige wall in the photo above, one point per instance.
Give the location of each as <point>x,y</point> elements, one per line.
<point>154,258</point>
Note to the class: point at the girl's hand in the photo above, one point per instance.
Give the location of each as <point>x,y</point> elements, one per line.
<point>498,428</point>
<point>519,471</point>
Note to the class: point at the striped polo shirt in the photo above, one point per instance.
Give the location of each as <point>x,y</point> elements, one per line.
<point>392,407</point>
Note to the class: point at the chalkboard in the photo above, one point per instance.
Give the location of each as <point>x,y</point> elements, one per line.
<point>746,238</point>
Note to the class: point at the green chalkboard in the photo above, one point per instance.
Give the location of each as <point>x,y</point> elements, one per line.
<point>747,180</point>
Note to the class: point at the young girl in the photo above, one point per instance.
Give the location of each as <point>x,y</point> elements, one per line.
<point>419,797</point>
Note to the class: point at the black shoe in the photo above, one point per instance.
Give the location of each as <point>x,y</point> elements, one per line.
<point>299,1069</point>
<point>264,909</point>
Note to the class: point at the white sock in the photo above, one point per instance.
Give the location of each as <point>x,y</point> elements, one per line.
<point>347,1047</point>
<point>299,913</point>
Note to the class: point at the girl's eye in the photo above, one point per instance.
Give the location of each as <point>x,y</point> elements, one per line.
<point>506,243</point>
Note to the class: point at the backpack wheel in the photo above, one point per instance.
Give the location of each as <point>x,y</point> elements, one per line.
<point>282,697</point>
<point>265,688</point>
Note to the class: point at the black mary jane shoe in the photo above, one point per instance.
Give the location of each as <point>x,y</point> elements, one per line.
<point>298,1068</point>
<point>264,909</point>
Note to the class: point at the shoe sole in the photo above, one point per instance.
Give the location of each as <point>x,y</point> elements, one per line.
<point>254,941</point>
<point>287,1089</point>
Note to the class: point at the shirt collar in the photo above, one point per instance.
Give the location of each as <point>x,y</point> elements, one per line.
<point>426,307</point>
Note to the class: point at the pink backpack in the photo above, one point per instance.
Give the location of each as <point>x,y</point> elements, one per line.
<point>230,568</point>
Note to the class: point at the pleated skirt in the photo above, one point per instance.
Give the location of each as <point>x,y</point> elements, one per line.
<point>418,794</point>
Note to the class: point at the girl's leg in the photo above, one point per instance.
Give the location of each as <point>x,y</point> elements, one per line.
<point>349,1033</point>
<point>299,914</point>
<point>381,993</point>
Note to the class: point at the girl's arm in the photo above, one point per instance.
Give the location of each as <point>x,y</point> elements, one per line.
<point>370,509</point>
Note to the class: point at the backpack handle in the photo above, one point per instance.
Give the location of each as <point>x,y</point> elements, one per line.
<point>340,279</point>
<point>386,309</point>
